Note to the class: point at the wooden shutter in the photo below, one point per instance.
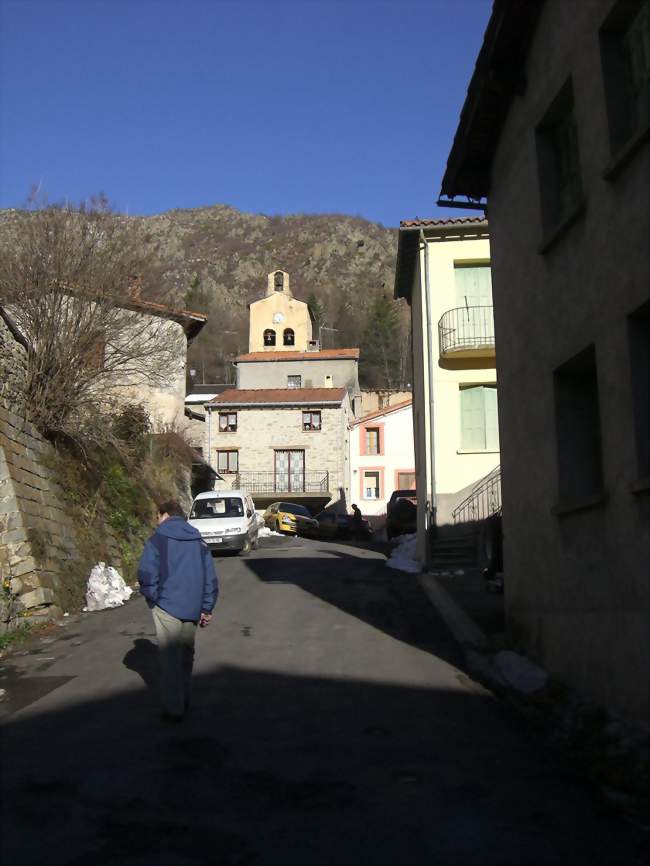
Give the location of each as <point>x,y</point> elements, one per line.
<point>491,419</point>
<point>473,283</point>
<point>472,419</point>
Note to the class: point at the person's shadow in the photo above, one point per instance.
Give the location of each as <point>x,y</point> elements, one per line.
<point>143,659</point>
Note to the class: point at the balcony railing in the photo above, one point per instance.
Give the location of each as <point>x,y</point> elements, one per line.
<point>483,500</point>
<point>466,329</point>
<point>312,481</point>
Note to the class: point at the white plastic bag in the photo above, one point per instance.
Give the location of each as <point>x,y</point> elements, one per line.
<point>105,588</point>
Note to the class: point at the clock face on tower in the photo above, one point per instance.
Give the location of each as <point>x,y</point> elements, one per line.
<point>278,318</point>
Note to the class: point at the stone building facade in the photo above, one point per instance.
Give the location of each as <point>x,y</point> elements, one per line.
<point>281,443</point>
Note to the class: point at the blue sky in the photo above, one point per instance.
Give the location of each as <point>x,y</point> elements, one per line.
<point>276,107</point>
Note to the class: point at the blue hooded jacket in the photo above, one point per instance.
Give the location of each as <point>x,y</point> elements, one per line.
<point>176,571</point>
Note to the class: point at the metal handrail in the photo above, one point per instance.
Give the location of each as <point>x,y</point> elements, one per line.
<point>312,481</point>
<point>483,500</point>
<point>466,328</point>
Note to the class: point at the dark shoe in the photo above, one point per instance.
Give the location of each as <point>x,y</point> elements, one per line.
<point>171,717</point>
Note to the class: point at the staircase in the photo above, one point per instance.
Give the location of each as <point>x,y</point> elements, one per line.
<point>457,546</point>
<point>454,549</point>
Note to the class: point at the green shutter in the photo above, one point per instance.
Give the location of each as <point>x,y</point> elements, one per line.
<point>479,419</point>
<point>472,419</point>
<point>473,286</point>
<point>491,419</point>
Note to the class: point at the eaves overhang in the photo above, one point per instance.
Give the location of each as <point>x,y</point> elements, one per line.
<point>497,78</point>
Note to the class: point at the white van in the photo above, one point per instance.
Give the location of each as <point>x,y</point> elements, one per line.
<point>226,520</point>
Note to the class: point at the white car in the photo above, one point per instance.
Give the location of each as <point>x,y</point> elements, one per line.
<point>226,520</point>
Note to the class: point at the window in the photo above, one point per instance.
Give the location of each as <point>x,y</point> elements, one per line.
<point>371,484</point>
<point>473,285</point>
<point>638,324</point>
<point>278,281</point>
<point>294,381</point>
<point>406,480</point>
<point>558,161</point>
<point>311,420</point>
<point>577,425</point>
<point>372,440</point>
<point>479,423</point>
<point>625,55</point>
<point>269,337</point>
<point>227,461</point>
<point>227,422</point>
<point>289,338</point>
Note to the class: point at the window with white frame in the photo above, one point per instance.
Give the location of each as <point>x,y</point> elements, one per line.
<point>311,420</point>
<point>227,422</point>
<point>479,421</point>
<point>371,486</point>
<point>227,461</point>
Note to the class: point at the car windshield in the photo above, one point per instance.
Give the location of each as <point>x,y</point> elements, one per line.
<point>291,508</point>
<point>219,506</point>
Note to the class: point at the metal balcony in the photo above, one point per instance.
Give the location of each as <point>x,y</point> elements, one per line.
<point>466,334</point>
<point>315,482</point>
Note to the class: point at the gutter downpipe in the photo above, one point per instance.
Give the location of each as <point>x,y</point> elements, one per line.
<point>432,505</point>
<point>209,435</point>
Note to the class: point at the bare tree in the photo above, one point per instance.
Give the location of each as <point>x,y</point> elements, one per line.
<point>68,278</point>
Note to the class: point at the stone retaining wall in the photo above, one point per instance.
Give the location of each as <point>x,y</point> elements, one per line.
<point>37,539</point>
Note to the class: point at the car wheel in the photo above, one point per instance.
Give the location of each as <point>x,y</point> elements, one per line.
<point>246,549</point>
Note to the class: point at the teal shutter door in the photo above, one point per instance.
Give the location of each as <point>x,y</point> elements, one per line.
<point>473,283</point>
<point>472,419</point>
<point>491,419</point>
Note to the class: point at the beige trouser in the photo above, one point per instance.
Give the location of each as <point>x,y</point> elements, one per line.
<point>176,645</point>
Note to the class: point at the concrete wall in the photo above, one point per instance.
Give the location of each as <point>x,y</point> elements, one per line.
<point>295,315</point>
<point>397,455</point>
<point>577,582</point>
<point>164,400</point>
<point>373,401</point>
<point>267,374</point>
<point>456,470</point>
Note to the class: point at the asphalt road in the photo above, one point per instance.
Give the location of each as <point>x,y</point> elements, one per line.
<point>331,724</point>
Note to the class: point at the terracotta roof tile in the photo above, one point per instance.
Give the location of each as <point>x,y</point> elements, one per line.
<point>322,355</point>
<point>274,396</point>
<point>450,221</point>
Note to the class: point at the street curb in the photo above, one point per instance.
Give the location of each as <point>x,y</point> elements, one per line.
<point>462,627</point>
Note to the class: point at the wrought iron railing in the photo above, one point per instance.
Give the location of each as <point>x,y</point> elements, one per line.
<point>312,481</point>
<point>483,500</point>
<point>466,328</point>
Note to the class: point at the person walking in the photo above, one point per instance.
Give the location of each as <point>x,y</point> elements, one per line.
<point>356,523</point>
<point>178,579</point>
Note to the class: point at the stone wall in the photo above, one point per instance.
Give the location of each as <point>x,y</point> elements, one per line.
<point>37,540</point>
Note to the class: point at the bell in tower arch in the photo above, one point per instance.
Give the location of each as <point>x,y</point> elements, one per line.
<point>278,281</point>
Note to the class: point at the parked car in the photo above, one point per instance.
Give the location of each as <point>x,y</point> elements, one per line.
<point>331,524</point>
<point>401,513</point>
<point>226,520</point>
<point>287,516</point>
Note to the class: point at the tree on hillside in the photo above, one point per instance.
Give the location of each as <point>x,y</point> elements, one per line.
<point>381,346</point>
<point>68,279</point>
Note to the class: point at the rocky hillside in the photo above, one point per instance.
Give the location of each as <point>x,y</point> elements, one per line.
<point>215,260</point>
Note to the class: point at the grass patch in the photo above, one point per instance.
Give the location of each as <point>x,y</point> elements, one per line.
<point>11,638</point>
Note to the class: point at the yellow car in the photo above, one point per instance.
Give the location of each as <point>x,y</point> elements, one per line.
<point>286,516</point>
